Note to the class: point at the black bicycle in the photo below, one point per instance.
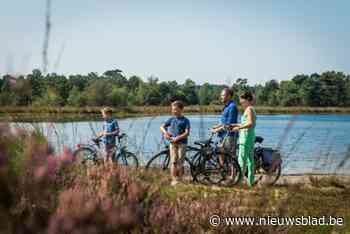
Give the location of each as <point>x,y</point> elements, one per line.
<point>213,165</point>
<point>89,153</point>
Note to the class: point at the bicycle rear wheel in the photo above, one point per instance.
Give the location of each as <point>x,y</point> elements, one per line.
<point>127,159</point>
<point>271,175</point>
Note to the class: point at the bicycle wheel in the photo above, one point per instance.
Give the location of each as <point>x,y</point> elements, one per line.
<point>271,175</point>
<point>127,159</point>
<point>85,156</point>
<point>214,171</point>
<point>159,161</point>
<point>231,172</point>
<point>206,169</point>
<point>190,164</point>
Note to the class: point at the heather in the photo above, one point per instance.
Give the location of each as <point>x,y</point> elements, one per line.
<point>45,192</point>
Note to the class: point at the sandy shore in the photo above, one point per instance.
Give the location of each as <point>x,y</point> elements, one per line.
<point>306,179</point>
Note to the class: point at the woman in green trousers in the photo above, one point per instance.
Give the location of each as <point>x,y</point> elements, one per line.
<point>246,136</point>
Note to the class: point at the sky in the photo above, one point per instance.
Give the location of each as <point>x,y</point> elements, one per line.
<point>207,41</point>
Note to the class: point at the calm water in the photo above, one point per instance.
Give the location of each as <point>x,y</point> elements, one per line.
<point>309,143</point>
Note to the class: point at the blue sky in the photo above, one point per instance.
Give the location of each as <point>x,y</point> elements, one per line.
<point>214,41</point>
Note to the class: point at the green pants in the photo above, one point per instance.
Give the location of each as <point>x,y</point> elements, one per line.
<point>246,159</point>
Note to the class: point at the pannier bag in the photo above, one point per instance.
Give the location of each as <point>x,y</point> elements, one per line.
<point>270,157</point>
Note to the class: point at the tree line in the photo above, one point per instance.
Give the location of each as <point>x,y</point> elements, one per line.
<point>112,88</point>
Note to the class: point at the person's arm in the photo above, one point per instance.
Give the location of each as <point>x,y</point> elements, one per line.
<point>249,123</point>
<point>217,128</point>
<point>116,130</point>
<point>163,129</point>
<point>232,115</point>
<point>102,133</point>
<point>182,136</point>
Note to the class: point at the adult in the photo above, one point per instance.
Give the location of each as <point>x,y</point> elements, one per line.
<point>228,116</point>
<point>246,136</point>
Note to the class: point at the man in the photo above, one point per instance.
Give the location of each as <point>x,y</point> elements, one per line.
<point>229,115</point>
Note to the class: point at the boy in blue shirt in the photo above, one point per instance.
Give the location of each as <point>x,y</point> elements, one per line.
<point>109,133</point>
<point>176,130</point>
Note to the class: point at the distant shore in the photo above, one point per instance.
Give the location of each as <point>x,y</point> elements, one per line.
<point>34,114</point>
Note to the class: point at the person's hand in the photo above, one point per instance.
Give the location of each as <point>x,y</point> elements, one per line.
<point>167,136</point>
<point>213,130</point>
<point>174,139</point>
<point>235,129</point>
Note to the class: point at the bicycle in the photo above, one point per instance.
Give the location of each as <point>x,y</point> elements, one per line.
<point>89,153</point>
<point>268,163</point>
<point>206,165</point>
<point>203,161</point>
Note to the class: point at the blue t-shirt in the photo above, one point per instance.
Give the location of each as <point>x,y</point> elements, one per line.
<point>229,115</point>
<point>110,125</point>
<point>177,126</point>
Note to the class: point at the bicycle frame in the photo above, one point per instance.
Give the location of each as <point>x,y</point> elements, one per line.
<point>95,147</point>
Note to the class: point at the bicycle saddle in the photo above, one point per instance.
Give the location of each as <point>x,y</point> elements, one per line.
<point>203,143</point>
<point>96,140</point>
<point>121,136</point>
<point>259,139</point>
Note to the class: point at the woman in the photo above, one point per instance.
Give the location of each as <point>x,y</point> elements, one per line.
<point>246,136</point>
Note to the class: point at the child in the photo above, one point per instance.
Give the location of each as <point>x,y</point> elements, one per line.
<point>109,133</point>
<point>176,130</point>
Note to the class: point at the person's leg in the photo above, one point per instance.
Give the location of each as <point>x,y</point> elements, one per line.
<point>242,161</point>
<point>108,152</point>
<point>223,149</point>
<point>250,164</point>
<point>234,146</point>
<point>173,161</point>
<point>231,149</point>
<point>181,159</point>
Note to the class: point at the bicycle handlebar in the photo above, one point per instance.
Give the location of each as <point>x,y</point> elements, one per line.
<point>98,139</point>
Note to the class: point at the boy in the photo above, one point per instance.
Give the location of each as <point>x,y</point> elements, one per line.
<point>176,130</point>
<point>109,133</point>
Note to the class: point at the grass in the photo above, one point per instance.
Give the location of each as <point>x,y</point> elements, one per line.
<point>33,114</point>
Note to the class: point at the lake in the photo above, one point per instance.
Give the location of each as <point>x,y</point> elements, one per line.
<point>308,143</point>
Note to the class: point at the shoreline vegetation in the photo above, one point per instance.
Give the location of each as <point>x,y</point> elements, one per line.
<point>62,114</point>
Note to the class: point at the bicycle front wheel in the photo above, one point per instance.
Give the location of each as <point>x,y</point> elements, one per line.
<point>127,159</point>
<point>159,161</point>
<point>85,156</point>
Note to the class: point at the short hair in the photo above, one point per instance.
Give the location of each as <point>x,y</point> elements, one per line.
<point>107,110</point>
<point>228,91</point>
<point>247,95</point>
<point>178,104</point>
